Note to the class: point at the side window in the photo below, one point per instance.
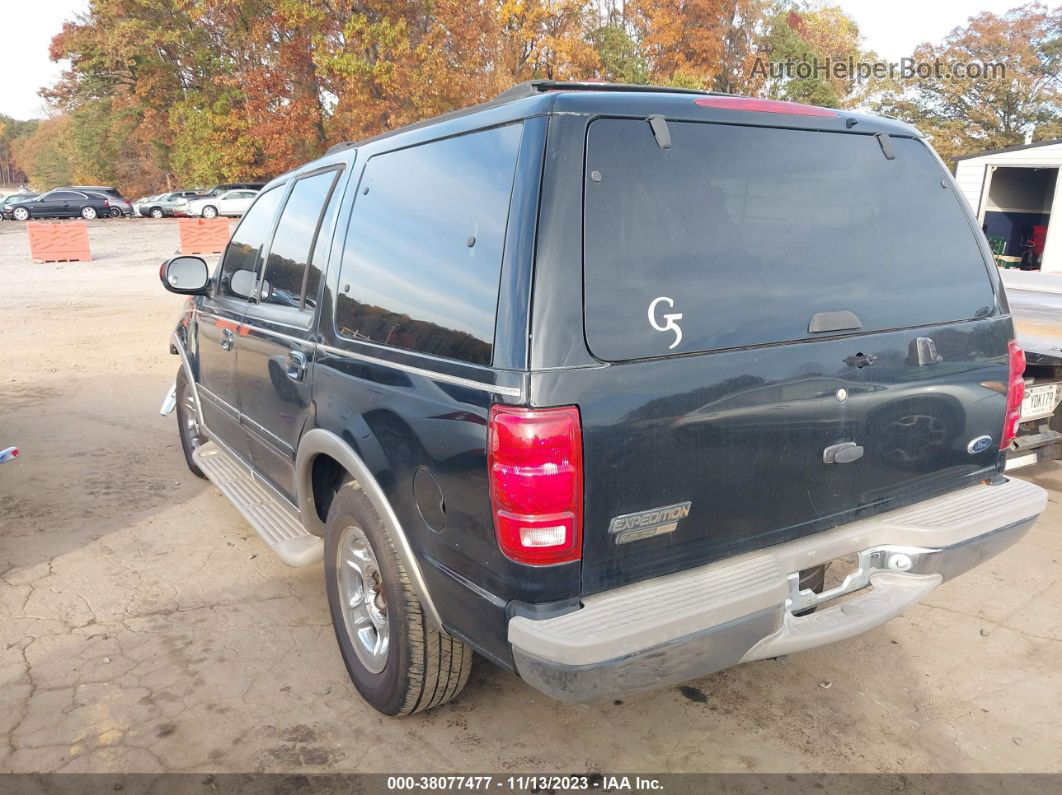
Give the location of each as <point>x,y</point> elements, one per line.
<point>240,263</point>
<point>65,196</point>
<point>296,232</point>
<point>423,251</point>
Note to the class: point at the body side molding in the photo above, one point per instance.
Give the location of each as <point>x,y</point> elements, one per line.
<point>319,441</point>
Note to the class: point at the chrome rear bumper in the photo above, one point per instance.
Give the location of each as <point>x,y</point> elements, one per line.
<point>686,625</point>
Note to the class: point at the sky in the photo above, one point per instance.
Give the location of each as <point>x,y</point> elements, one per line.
<point>891,27</point>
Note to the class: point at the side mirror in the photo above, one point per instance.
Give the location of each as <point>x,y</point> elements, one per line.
<point>242,282</point>
<point>185,275</point>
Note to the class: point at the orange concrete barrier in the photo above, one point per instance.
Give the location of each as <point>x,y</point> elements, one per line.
<point>66,241</point>
<point>203,235</point>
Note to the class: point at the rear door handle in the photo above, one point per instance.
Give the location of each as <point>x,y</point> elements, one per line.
<point>296,369</point>
<point>842,453</point>
<point>226,339</point>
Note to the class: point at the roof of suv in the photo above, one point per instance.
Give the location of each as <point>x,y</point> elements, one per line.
<point>625,99</point>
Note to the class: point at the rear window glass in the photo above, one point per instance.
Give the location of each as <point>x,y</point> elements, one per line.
<point>742,234</point>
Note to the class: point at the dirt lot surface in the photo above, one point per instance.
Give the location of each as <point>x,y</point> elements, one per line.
<point>144,627</point>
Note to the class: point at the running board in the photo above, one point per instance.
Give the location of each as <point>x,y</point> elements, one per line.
<point>278,524</point>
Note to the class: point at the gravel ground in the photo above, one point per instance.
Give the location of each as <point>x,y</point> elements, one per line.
<point>145,628</point>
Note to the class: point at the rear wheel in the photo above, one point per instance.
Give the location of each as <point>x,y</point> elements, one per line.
<point>188,423</point>
<point>396,662</point>
<point>114,212</point>
<point>88,213</point>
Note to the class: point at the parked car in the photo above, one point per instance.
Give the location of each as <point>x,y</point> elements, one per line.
<point>61,203</point>
<point>117,206</point>
<point>217,190</point>
<point>13,199</point>
<point>108,189</point>
<point>164,204</point>
<point>139,204</point>
<point>597,381</point>
<point>230,202</point>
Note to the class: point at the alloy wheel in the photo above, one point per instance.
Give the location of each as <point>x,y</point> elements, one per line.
<point>192,429</point>
<point>362,598</point>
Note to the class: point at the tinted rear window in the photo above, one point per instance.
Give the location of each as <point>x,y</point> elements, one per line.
<point>747,232</point>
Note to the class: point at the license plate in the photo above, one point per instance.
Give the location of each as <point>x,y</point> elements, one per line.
<point>1039,401</point>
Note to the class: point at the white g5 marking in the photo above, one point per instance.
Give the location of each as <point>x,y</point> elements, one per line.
<point>670,324</point>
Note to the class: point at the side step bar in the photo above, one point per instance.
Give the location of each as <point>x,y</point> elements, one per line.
<point>277,523</point>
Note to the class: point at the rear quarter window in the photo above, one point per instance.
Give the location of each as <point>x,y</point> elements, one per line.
<point>423,251</point>
<point>748,232</point>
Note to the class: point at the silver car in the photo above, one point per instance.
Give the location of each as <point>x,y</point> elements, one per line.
<point>163,205</point>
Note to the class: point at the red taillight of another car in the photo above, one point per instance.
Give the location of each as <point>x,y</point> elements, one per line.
<point>1015,394</point>
<point>535,462</point>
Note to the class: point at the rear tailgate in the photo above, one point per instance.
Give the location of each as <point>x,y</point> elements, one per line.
<point>799,331</point>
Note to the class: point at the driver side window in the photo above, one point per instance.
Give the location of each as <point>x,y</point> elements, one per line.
<point>241,261</point>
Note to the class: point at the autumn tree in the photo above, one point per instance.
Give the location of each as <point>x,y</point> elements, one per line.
<point>614,38</point>
<point>797,52</point>
<point>11,132</point>
<point>1001,106</point>
<point>391,63</point>
<point>45,155</point>
<point>700,43</point>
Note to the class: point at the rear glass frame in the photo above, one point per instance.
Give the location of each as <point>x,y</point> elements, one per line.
<point>613,343</point>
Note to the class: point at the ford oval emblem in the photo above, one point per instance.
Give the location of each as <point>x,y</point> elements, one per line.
<point>979,445</point>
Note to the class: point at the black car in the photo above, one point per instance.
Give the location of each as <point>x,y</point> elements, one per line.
<point>597,380</point>
<point>14,198</point>
<point>63,203</point>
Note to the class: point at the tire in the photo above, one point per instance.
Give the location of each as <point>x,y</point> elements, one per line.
<point>417,668</point>
<point>188,423</point>
<point>21,214</point>
<point>156,212</point>
<point>210,211</point>
<point>114,212</point>
<point>88,213</point>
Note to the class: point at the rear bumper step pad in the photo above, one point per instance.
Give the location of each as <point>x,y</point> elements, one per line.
<point>678,627</point>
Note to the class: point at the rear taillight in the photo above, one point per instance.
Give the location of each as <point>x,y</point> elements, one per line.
<point>535,461</point>
<point>1015,394</point>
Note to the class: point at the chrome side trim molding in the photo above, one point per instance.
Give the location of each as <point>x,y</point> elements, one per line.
<point>221,403</point>
<point>242,322</point>
<point>319,441</point>
<point>511,391</point>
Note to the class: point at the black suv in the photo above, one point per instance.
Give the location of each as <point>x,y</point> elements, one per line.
<point>596,381</point>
